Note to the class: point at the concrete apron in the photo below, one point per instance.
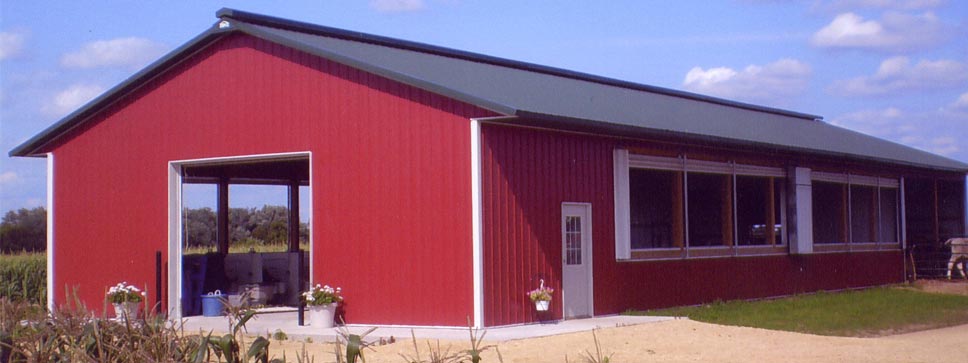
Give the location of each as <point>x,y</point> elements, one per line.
<point>269,323</point>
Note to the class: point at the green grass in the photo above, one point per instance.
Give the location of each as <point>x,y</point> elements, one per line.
<point>233,248</point>
<point>871,312</point>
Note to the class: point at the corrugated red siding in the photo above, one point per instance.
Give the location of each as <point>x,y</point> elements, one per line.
<point>528,173</point>
<point>390,176</point>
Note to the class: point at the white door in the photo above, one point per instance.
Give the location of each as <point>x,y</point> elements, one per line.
<point>576,241</point>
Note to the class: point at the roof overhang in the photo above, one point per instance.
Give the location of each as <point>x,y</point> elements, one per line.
<point>554,122</point>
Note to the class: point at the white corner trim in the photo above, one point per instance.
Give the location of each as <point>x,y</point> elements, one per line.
<point>476,224</point>
<point>174,241</point>
<point>50,232</point>
<point>620,172</point>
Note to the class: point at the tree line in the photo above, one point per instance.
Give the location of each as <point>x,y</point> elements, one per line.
<point>25,230</point>
<point>268,225</point>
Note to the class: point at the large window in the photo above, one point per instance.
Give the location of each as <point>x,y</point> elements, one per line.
<point>829,213</point>
<point>854,209</point>
<point>758,215</point>
<point>710,201</point>
<point>653,212</point>
<point>716,209</point>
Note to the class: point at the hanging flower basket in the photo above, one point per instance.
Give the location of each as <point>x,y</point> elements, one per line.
<point>542,305</point>
<point>541,297</point>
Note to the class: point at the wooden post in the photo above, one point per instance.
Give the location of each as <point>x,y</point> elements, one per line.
<point>678,227</point>
<point>726,210</point>
<point>223,216</point>
<point>937,217</point>
<point>845,213</point>
<point>875,216</point>
<point>293,215</point>
<point>770,212</point>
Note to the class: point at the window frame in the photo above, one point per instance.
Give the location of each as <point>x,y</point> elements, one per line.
<point>624,162</point>
<point>879,184</point>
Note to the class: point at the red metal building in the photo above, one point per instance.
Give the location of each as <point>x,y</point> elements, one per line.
<point>445,185</point>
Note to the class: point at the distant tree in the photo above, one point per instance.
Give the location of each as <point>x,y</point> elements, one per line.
<point>200,227</point>
<point>271,224</point>
<point>247,226</point>
<point>24,230</point>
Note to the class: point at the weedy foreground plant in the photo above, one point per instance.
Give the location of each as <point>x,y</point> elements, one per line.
<point>72,333</point>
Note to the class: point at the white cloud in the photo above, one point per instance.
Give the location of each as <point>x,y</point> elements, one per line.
<point>898,74</point>
<point>393,6</point>
<point>9,177</point>
<point>893,32</point>
<point>130,52</point>
<point>961,104</point>
<point>772,82</point>
<point>11,44</point>
<point>935,131</point>
<point>878,4</point>
<point>71,98</point>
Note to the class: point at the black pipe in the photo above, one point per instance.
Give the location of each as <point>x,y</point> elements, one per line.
<point>158,280</point>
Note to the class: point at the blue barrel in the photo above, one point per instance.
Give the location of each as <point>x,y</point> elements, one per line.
<point>212,304</point>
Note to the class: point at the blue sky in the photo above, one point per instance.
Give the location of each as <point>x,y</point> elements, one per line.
<point>893,69</point>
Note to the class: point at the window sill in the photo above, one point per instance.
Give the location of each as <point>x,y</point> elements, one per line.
<point>706,252</point>
<point>856,247</point>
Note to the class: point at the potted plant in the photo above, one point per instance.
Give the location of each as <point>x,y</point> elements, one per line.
<point>322,301</point>
<point>126,300</point>
<point>541,297</point>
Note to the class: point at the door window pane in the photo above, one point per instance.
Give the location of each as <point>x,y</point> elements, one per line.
<point>573,240</point>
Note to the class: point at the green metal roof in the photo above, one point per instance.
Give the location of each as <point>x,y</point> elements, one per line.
<point>556,97</point>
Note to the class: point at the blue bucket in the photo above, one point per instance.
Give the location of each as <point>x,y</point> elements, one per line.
<point>212,304</point>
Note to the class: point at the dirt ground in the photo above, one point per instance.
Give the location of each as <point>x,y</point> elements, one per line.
<point>684,340</point>
<point>957,286</point>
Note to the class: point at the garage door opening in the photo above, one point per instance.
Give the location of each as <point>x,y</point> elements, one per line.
<point>243,229</point>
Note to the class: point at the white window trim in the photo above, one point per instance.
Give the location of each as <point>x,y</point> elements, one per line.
<point>623,219</point>
<point>855,179</point>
